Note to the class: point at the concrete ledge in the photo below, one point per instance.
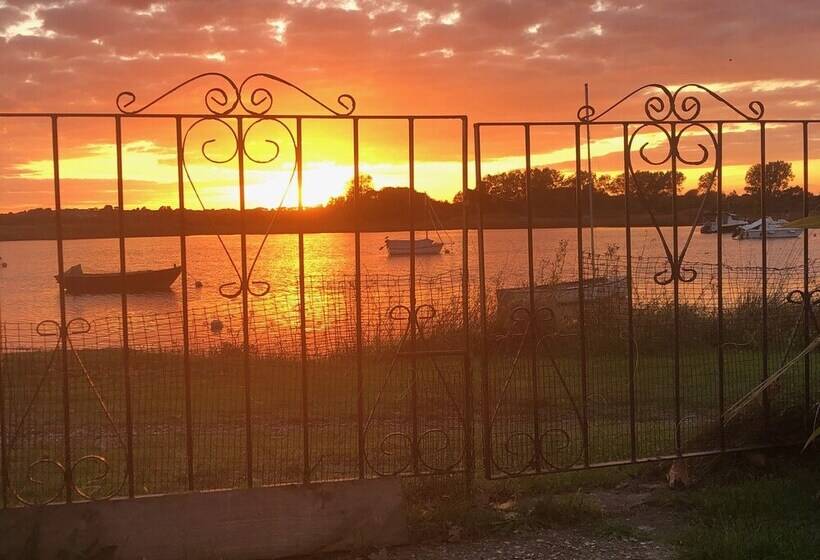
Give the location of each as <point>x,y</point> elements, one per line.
<point>230,525</point>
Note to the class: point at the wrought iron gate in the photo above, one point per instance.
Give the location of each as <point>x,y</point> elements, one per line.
<point>602,367</point>
<point>91,409</point>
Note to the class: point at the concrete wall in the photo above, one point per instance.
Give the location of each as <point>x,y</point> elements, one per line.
<point>230,525</point>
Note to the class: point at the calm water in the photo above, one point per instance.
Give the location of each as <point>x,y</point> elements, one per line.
<point>28,291</point>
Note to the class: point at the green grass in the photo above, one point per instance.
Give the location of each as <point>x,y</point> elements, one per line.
<point>776,517</point>
<point>736,511</point>
<point>563,510</point>
<point>441,509</point>
<point>276,385</point>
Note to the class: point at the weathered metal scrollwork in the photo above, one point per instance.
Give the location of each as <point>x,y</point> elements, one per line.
<point>673,136</point>
<point>255,103</point>
<point>226,99</point>
<point>552,446</point>
<point>665,104</point>
<point>809,301</point>
<point>399,443</point>
<point>673,114</point>
<point>88,488</point>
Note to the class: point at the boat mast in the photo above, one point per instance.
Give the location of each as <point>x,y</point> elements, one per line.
<point>591,186</point>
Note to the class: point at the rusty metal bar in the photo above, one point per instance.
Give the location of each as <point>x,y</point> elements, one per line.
<point>4,466</point>
<point>582,346</point>
<point>414,399</point>
<point>469,433</point>
<point>302,316</point>
<point>126,358</point>
<point>357,238</point>
<point>720,325</point>
<point>533,336</point>
<point>482,296</point>
<point>676,270</point>
<point>265,117</point>
<point>630,319</point>
<point>245,285</point>
<point>55,149</point>
<point>807,295</point>
<point>670,457</point>
<point>186,340</point>
<point>765,279</point>
<point>380,117</point>
<point>616,122</point>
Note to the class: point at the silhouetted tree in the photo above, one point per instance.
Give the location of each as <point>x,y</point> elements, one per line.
<point>778,176</point>
<point>366,190</point>
<point>649,184</point>
<point>706,181</point>
<point>601,183</point>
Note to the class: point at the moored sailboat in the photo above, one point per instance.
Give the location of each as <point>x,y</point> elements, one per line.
<point>402,247</point>
<point>75,281</point>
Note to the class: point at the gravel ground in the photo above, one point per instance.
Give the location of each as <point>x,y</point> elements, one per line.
<point>564,544</point>
<point>629,506</point>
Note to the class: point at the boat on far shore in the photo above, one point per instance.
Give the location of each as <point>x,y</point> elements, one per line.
<point>401,247</point>
<point>729,223</point>
<point>75,281</point>
<point>775,229</point>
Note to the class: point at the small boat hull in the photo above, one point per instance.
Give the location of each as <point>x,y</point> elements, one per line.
<point>730,224</point>
<point>76,282</point>
<point>401,247</point>
<point>779,233</point>
<point>711,227</point>
<point>561,298</point>
<point>775,229</point>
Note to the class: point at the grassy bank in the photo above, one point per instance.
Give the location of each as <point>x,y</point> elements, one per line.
<point>750,507</point>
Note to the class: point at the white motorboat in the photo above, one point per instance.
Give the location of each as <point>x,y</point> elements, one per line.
<point>775,229</point>
<point>729,224</point>
<point>401,247</point>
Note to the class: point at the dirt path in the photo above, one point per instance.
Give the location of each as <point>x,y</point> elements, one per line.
<point>631,526</point>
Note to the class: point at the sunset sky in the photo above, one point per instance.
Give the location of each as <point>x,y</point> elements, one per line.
<point>489,60</point>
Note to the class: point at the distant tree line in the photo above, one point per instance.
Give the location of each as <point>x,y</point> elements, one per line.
<point>553,197</point>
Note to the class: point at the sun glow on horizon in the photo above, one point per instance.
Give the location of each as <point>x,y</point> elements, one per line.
<point>89,171</point>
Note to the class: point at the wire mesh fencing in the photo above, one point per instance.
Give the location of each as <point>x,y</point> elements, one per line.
<point>313,418</point>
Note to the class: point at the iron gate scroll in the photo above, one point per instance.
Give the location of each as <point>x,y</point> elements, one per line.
<point>399,405</point>
<point>595,388</point>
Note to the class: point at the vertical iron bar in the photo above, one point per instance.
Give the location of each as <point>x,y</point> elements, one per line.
<point>4,477</point>
<point>582,350</point>
<point>482,296</point>
<point>591,191</point>
<point>469,429</point>
<point>63,328</point>
<point>676,267</point>
<point>413,379</point>
<point>533,337</point>
<point>807,296</point>
<point>357,237</point>
<point>245,285</point>
<point>764,264</point>
<point>720,334</point>
<point>186,342</point>
<point>633,444</point>
<point>302,314</point>
<point>126,362</point>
